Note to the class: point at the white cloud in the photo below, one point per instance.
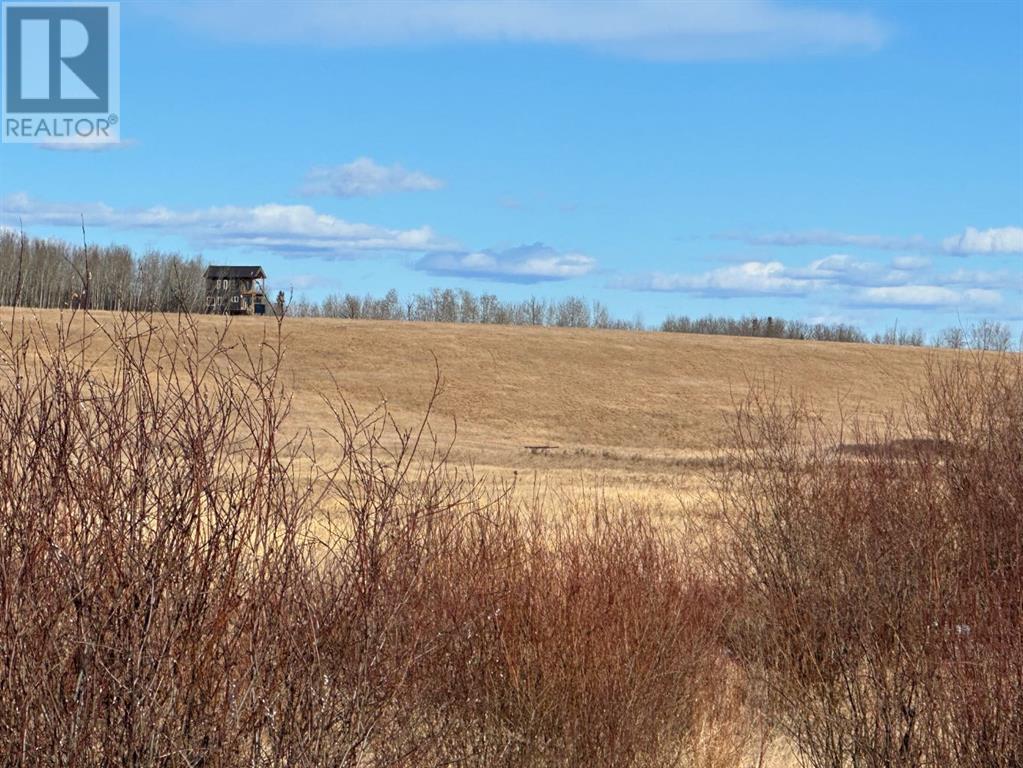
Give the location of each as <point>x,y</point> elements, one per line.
<point>841,268</point>
<point>86,145</point>
<point>1001,278</point>
<point>997,240</point>
<point>525,263</point>
<point>928,296</point>
<point>908,263</point>
<point>844,268</point>
<point>872,283</point>
<point>740,29</point>
<point>829,238</point>
<point>294,229</point>
<point>765,278</point>
<point>365,178</point>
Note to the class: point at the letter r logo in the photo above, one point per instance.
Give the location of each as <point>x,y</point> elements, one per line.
<point>56,58</point>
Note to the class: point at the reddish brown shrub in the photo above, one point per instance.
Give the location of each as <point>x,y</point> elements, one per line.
<point>181,584</point>
<point>881,591</point>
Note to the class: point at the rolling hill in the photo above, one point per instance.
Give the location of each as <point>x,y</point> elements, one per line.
<point>629,405</point>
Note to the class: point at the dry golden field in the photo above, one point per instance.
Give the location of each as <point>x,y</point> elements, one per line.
<point>636,417</point>
<point>633,415</point>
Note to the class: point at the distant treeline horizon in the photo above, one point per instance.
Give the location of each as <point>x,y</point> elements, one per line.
<point>51,273</point>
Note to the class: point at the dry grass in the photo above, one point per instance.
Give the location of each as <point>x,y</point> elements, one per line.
<point>635,415</point>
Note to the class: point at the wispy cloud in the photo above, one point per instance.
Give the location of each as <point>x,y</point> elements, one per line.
<point>833,239</point>
<point>290,229</point>
<point>927,297</point>
<point>909,263</point>
<point>998,278</point>
<point>997,240</point>
<point>772,278</point>
<point>741,29</point>
<point>843,268</point>
<point>86,145</point>
<point>365,178</point>
<point>841,278</point>
<point>752,278</point>
<point>511,203</point>
<point>523,264</point>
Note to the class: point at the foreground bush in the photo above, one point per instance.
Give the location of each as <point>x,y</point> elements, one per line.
<point>880,584</point>
<point>181,584</point>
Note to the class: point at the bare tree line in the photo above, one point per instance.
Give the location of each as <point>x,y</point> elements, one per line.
<point>52,273</point>
<point>449,305</point>
<point>764,327</point>
<point>983,335</point>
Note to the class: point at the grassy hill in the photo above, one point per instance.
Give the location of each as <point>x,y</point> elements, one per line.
<point>632,407</point>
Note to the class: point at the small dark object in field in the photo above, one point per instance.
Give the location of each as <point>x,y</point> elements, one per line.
<point>536,449</point>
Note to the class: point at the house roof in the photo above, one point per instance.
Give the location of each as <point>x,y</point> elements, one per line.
<point>235,273</point>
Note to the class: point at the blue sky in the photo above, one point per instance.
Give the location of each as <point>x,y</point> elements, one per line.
<point>857,162</point>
